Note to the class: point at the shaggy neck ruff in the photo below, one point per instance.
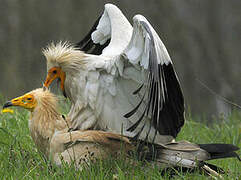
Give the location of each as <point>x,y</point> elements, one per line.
<point>45,120</point>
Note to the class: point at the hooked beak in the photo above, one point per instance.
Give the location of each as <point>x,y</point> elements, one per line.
<point>59,75</point>
<point>26,101</point>
<point>14,102</point>
<point>7,104</point>
<point>49,80</point>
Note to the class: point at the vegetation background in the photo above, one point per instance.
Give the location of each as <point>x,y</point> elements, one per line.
<point>202,37</point>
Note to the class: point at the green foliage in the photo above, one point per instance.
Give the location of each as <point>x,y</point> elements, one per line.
<point>19,158</point>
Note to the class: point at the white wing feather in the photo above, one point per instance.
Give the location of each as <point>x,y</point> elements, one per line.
<point>103,30</point>
<point>113,24</point>
<point>140,44</point>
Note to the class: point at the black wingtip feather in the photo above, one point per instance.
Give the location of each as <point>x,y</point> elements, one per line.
<point>87,38</point>
<point>170,118</point>
<point>166,102</point>
<point>87,45</point>
<point>172,114</point>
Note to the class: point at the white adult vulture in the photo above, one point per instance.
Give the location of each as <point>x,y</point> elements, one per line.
<point>123,82</point>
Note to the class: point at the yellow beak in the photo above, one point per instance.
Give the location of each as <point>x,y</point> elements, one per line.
<point>26,101</point>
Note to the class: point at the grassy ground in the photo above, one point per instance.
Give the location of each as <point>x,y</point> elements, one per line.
<point>19,158</point>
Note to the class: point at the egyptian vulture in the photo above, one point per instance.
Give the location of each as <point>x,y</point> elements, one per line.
<point>50,132</point>
<point>123,82</point>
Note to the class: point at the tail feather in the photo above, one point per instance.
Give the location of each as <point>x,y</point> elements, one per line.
<point>186,157</point>
<point>217,151</point>
<point>218,148</point>
<point>225,155</point>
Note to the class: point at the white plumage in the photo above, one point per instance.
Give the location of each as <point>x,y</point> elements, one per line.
<point>119,59</point>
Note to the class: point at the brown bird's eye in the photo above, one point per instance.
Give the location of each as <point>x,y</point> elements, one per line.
<point>54,71</point>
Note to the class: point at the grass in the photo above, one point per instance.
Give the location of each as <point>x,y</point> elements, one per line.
<point>19,158</point>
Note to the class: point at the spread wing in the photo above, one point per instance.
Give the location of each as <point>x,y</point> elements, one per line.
<point>107,32</point>
<point>162,96</point>
<point>135,57</point>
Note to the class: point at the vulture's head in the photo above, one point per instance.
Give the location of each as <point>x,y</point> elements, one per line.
<point>41,97</point>
<point>62,59</point>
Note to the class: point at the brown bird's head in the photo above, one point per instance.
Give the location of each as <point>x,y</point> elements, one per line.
<point>33,99</point>
<point>62,58</point>
<point>45,118</point>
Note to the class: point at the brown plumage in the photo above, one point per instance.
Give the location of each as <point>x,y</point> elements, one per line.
<point>52,136</point>
<point>49,131</point>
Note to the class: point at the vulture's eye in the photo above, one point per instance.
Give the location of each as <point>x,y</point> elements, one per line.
<point>29,99</point>
<point>55,71</point>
